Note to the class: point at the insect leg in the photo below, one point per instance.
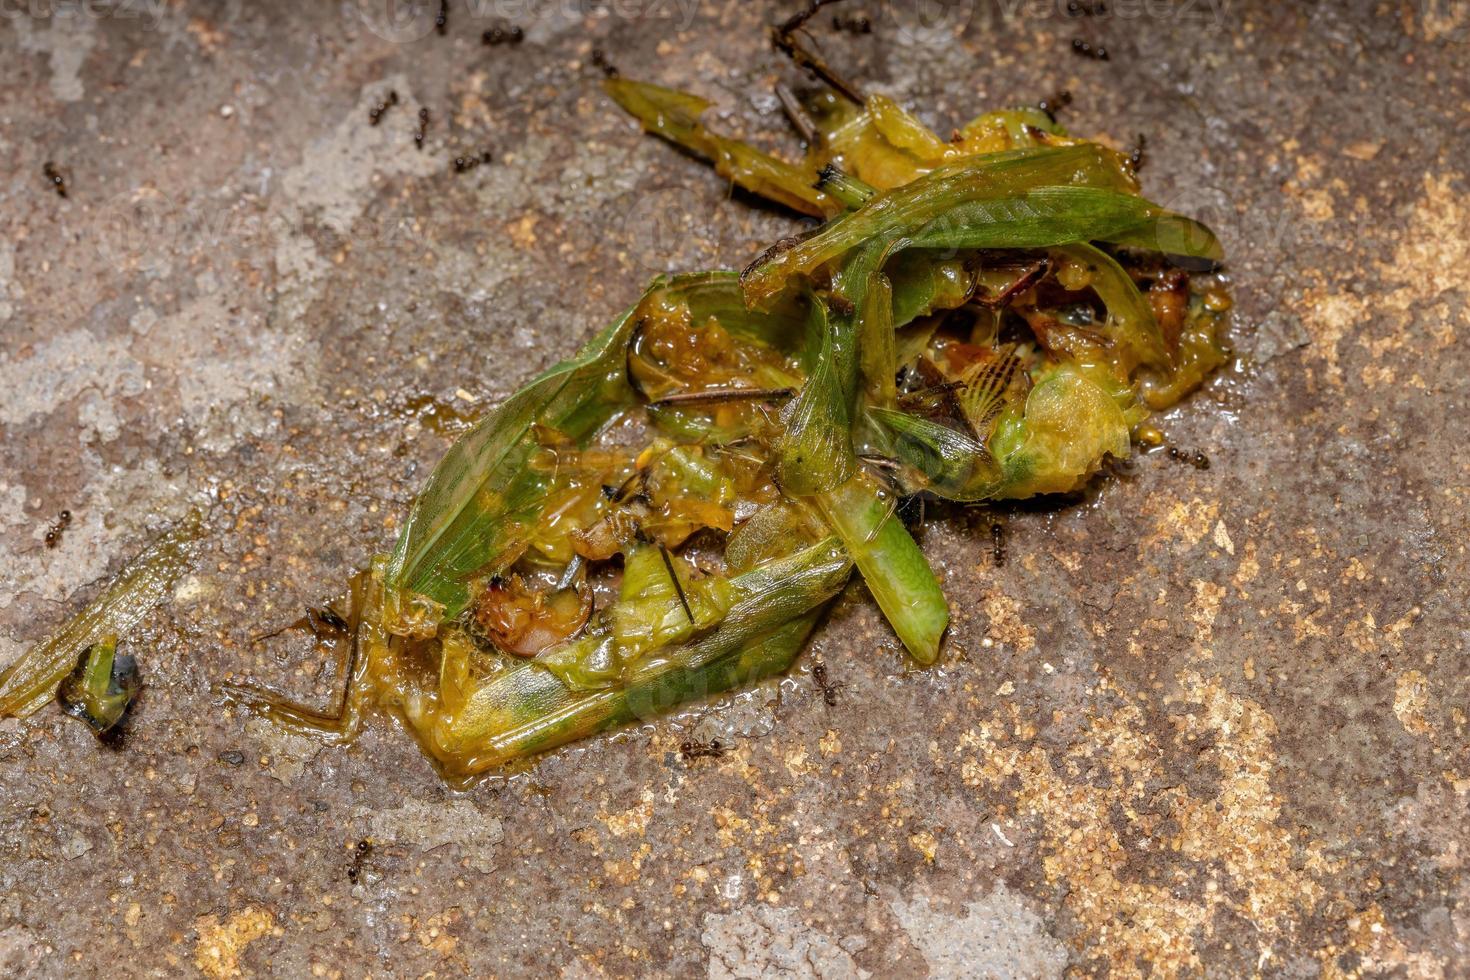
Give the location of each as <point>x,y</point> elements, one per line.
<point>342,723</point>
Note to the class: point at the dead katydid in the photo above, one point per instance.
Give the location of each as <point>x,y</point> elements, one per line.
<point>980,318</point>
<point>985,317</point>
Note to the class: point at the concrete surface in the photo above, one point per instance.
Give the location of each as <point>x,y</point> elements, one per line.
<point>1205,722</point>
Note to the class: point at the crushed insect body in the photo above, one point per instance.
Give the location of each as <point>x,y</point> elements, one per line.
<point>983,318</point>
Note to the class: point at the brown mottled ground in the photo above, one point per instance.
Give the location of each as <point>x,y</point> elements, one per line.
<point>1207,721</point>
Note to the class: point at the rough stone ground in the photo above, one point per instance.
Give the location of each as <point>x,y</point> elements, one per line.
<point>1203,722</point>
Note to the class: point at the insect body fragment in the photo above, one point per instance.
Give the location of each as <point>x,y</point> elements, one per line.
<point>101,688</point>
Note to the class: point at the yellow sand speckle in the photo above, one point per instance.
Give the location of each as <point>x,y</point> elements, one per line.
<point>1101,814</point>
<point>523,231</point>
<point>217,953</point>
<point>1005,621</point>
<point>1330,317</point>
<point>1378,951</point>
<point>1394,631</point>
<point>1434,248</point>
<point>1204,609</point>
<point>433,933</point>
<point>796,761</point>
<point>206,34</point>
<point>633,820</point>
<point>1317,203</point>
<point>1247,570</point>
<point>925,843</point>
<point>732,829</point>
<point>1410,701</point>
<point>1425,264</point>
<point>1181,524</point>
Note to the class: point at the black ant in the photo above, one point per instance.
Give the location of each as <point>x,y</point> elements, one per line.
<point>1196,459</point>
<point>1053,104</point>
<point>1076,8</point>
<point>828,689</point>
<point>461,164</point>
<point>441,21</point>
<point>375,114</point>
<point>418,136</point>
<point>364,848</point>
<point>1136,154</point>
<point>323,622</point>
<point>853,25</point>
<point>53,533</point>
<point>700,750</point>
<point>58,182</point>
<point>997,543</point>
<point>600,60</point>
<point>1081,47</point>
<point>500,35</point>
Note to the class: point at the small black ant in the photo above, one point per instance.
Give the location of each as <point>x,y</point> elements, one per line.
<point>441,21</point>
<point>1197,459</point>
<point>1053,104</point>
<point>418,136</point>
<point>54,532</point>
<point>1086,50</point>
<point>828,689</point>
<point>500,35</point>
<point>1076,8</point>
<point>1136,154</point>
<point>853,25</point>
<point>997,543</point>
<point>58,182</point>
<point>461,164</point>
<point>364,848</point>
<point>700,750</point>
<point>375,114</point>
<point>600,60</point>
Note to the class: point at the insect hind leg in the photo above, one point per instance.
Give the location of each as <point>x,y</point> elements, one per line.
<point>342,723</point>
